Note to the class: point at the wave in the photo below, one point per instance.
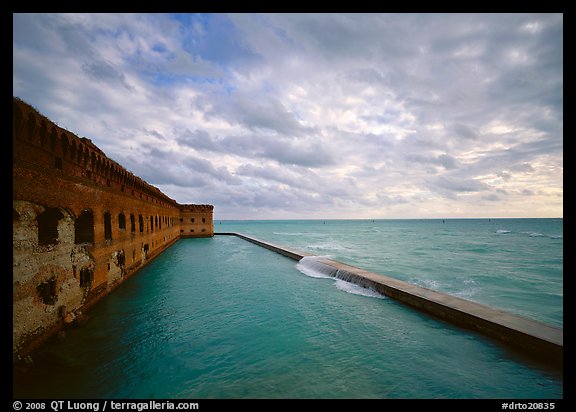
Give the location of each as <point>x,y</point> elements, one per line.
<point>426,283</point>
<point>357,289</point>
<point>310,266</point>
<point>531,234</point>
<point>326,246</point>
<point>313,267</point>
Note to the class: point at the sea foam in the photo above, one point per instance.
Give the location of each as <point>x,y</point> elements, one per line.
<point>313,267</point>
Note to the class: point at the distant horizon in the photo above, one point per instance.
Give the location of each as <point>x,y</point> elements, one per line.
<point>386,218</point>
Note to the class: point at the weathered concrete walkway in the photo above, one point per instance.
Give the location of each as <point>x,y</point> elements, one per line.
<point>535,338</point>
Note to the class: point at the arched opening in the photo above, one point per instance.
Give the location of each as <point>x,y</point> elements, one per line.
<point>47,291</point>
<point>107,226</point>
<point>121,221</point>
<point>48,226</point>
<point>84,227</point>
<point>86,277</point>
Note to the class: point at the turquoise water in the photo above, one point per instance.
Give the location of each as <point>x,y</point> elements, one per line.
<point>223,318</point>
<point>511,264</point>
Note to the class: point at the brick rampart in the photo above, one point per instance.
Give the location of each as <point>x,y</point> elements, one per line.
<point>82,224</point>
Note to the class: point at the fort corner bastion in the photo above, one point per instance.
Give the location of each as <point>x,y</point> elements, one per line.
<point>82,224</point>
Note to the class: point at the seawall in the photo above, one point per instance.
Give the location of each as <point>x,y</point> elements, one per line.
<point>536,339</point>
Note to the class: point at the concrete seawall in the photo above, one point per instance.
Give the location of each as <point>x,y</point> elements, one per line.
<point>531,337</point>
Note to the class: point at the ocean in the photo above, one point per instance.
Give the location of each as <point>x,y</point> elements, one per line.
<point>224,318</point>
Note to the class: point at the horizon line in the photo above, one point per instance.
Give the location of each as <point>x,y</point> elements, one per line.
<point>388,218</point>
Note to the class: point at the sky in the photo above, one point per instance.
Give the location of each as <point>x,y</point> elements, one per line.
<point>313,116</point>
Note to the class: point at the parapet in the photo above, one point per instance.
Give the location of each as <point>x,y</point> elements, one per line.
<point>40,143</point>
<point>196,208</point>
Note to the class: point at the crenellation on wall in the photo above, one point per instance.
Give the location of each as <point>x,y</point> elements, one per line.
<point>82,224</point>
<point>55,149</point>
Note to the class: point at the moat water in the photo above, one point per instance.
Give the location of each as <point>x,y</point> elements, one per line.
<point>223,318</point>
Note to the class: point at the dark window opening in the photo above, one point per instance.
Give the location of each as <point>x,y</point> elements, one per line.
<point>86,277</point>
<point>192,220</point>
<point>152,223</point>
<point>48,226</point>
<point>121,258</point>
<point>132,223</point>
<point>141,223</point>
<point>121,221</point>
<point>47,291</point>
<point>107,226</point>
<point>58,163</point>
<point>203,220</point>
<point>84,227</point>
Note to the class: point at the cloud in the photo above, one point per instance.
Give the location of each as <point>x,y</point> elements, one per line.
<point>303,152</point>
<point>465,132</point>
<point>313,115</point>
<point>104,71</point>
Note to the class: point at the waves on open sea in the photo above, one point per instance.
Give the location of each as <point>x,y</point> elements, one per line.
<point>223,318</point>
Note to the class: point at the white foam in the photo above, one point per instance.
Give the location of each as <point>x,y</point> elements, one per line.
<point>502,231</point>
<point>357,289</point>
<point>310,266</point>
<point>427,283</point>
<point>313,267</point>
<point>326,246</point>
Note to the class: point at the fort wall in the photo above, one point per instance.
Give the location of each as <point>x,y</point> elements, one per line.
<point>196,221</point>
<point>82,224</point>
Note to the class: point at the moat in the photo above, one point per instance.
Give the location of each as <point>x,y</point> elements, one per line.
<point>222,318</point>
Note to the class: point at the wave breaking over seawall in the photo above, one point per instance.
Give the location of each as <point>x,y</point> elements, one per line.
<point>313,267</point>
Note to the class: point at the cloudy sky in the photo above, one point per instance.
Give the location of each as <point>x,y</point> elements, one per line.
<point>313,115</point>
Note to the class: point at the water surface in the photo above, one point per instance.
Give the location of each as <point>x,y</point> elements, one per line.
<point>223,318</point>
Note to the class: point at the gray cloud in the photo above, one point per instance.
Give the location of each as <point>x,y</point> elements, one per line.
<point>465,132</point>
<point>306,115</point>
<point>104,71</point>
<point>283,150</point>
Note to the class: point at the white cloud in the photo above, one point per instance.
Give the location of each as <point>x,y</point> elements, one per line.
<point>313,115</point>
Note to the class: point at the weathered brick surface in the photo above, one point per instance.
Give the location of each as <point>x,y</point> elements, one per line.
<point>63,263</point>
